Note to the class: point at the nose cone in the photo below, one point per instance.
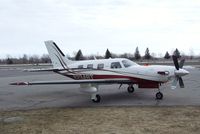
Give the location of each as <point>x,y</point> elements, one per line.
<point>181,72</point>
<point>186,72</point>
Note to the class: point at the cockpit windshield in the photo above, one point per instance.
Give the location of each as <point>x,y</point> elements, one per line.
<point>128,63</point>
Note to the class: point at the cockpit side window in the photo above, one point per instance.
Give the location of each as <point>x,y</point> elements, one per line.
<point>128,63</point>
<point>115,65</point>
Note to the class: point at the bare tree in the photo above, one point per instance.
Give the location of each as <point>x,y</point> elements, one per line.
<point>34,59</point>
<point>45,58</point>
<point>9,61</point>
<point>25,59</point>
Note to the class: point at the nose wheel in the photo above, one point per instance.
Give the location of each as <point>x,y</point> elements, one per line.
<point>159,96</point>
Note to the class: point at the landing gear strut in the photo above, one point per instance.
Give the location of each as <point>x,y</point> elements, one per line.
<point>96,98</point>
<point>130,89</point>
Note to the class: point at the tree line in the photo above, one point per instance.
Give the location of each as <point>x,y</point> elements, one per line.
<point>25,59</point>
<point>135,56</point>
<point>35,59</point>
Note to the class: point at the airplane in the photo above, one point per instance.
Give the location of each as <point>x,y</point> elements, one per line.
<point>90,74</point>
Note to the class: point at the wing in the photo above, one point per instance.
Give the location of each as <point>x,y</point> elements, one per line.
<point>95,81</point>
<point>41,70</point>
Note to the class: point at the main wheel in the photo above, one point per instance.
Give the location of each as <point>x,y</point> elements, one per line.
<point>130,89</point>
<point>97,98</point>
<point>159,96</point>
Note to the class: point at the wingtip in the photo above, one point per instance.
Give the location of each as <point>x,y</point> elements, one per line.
<point>19,83</point>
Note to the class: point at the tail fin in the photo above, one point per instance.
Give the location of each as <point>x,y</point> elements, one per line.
<point>58,59</point>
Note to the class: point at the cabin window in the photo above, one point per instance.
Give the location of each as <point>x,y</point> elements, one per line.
<point>100,66</point>
<point>115,65</point>
<point>80,66</point>
<point>90,66</point>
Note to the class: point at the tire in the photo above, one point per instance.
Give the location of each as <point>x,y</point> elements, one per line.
<point>130,89</point>
<point>97,99</point>
<point>159,96</point>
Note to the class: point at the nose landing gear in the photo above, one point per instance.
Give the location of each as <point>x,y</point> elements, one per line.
<point>159,96</point>
<point>130,89</point>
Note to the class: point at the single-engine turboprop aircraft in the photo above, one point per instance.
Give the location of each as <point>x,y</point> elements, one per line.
<point>92,73</point>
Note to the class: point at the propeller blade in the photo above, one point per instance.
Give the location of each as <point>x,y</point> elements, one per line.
<point>181,82</point>
<point>175,60</point>
<point>174,83</point>
<point>181,63</point>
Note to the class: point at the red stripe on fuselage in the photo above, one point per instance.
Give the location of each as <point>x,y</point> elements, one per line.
<point>141,82</point>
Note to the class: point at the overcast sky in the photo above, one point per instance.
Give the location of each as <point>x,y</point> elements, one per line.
<point>95,25</point>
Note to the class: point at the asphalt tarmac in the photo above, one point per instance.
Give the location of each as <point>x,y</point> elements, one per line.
<point>33,97</point>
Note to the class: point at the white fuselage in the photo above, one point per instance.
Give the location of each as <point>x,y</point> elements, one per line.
<point>120,68</point>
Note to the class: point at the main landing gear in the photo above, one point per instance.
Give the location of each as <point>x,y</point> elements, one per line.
<point>96,98</point>
<point>130,89</point>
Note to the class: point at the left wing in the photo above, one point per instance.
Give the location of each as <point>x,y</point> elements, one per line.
<point>95,81</point>
<point>42,70</point>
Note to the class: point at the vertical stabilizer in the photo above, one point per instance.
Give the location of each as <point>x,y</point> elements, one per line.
<point>57,57</point>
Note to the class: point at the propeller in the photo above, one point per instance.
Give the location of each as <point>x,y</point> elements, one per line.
<point>179,72</point>
<point>181,82</point>
<point>175,60</point>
